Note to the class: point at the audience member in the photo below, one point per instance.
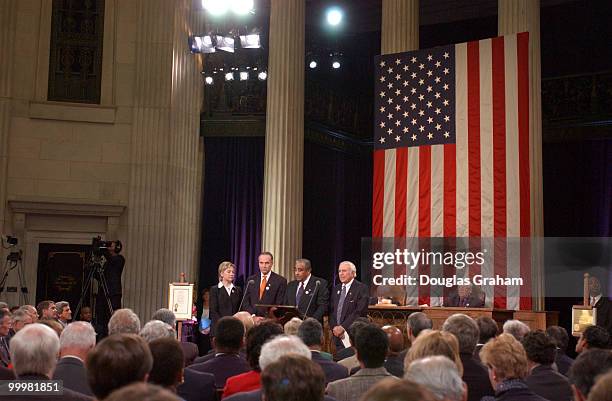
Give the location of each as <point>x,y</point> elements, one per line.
<point>475,375</point>
<point>256,338</point>
<point>543,379</point>
<point>371,345</point>
<point>432,343</point>
<point>311,333</point>
<point>560,338</point>
<point>167,370</point>
<point>516,328</point>
<point>602,390</point>
<point>417,322</point>
<point>350,362</point>
<point>227,362</point>
<point>487,329</point>
<point>46,310</point>
<point>247,320</point>
<point>440,376</point>
<point>117,361</point>
<point>32,311</point>
<point>292,326</point>
<point>293,377</point>
<point>123,321</point>
<point>19,319</point>
<point>507,363</point>
<point>397,390</point>
<point>53,324</point>
<point>156,329</point>
<point>190,350</point>
<point>64,314</point>
<point>34,351</point>
<point>593,337</point>
<point>586,368</point>
<point>76,341</point>
<point>142,392</point>
<point>5,326</point>
<point>165,315</point>
<point>394,362</point>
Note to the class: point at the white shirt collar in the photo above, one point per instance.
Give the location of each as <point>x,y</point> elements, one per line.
<point>306,281</point>
<point>348,285</point>
<point>228,288</point>
<point>594,300</point>
<point>267,276</point>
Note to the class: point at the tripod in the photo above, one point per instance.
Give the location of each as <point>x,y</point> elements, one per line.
<point>96,271</point>
<point>13,260</point>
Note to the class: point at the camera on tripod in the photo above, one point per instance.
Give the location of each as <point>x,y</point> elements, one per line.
<point>98,246</point>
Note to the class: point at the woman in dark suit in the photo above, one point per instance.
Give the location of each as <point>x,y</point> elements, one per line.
<point>225,296</point>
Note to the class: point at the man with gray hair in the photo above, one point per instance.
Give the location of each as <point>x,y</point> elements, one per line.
<point>166,316</point>
<point>76,340</point>
<point>157,329</point>
<point>124,321</point>
<point>311,333</point>
<point>190,350</point>
<point>475,375</point>
<point>34,351</point>
<point>516,328</point>
<point>64,314</point>
<point>19,319</point>
<point>417,322</point>
<point>440,376</point>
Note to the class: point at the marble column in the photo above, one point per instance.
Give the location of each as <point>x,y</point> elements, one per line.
<point>400,26</point>
<point>520,16</point>
<point>284,157</point>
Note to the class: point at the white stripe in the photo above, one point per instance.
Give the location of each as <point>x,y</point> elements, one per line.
<point>412,292</point>
<point>461,130</point>
<point>412,196</point>
<point>488,268</point>
<point>389,201</point>
<point>513,221</point>
<point>486,138</point>
<point>513,292</point>
<point>437,190</point>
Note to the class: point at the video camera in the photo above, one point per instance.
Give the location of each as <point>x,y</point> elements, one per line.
<point>98,246</point>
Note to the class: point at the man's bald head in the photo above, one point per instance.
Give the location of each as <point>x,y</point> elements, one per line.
<point>396,339</point>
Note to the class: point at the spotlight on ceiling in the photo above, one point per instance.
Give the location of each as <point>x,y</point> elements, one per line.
<point>225,43</point>
<point>241,7</point>
<point>251,41</point>
<point>208,80</point>
<point>312,64</point>
<point>216,7</point>
<point>229,76</point>
<point>334,16</point>
<point>201,44</point>
<point>244,75</point>
<point>262,76</point>
<point>336,64</point>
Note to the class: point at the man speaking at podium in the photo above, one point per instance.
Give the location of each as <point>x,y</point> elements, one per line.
<point>307,292</point>
<point>265,288</point>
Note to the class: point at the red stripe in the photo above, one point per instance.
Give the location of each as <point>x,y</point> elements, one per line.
<point>450,190</point>
<point>522,42</point>
<point>378,196</point>
<point>401,183</point>
<point>499,138</point>
<point>525,289</point>
<point>474,184</point>
<point>425,191</point>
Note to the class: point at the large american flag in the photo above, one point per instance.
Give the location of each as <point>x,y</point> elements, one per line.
<point>452,152</point>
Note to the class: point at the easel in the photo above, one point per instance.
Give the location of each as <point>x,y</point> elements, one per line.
<point>583,315</point>
<point>180,301</point>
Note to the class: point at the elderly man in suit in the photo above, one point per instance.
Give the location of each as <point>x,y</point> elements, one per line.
<point>311,333</point>
<point>307,292</point>
<point>265,287</point>
<point>76,340</point>
<point>349,301</point>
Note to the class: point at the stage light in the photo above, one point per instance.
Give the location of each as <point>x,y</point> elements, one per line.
<point>201,44</point>
<point>229,76</point>
<point>312,64</point>
<point>262,76</point>
<point>336,64</point>
<point>225,43</point>
<point>251,41</point>
<point>208,80</point>
<point>334,16</point>
<point>215,7</point>
<point>244,75</point>
<point>241,7</point>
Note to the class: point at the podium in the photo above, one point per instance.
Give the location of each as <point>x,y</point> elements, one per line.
<point>281,313</point>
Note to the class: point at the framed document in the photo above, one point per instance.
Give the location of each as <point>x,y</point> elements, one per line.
<point>180,299</point>
<point>582,317</point>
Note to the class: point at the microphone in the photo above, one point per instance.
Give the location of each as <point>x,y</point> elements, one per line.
<point>245,293</point>
<point>317,284</point>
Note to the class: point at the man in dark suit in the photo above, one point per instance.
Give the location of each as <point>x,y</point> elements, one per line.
<point>349,300</point>
<point>227,361</point>
<point>197,386</point>
<point>267,288</point>
<point>311,333</point>
<point>601,302</point>
<point>308,292</point>
<point>76,341</point>
<point>559,337</point>
<point>465,296</point>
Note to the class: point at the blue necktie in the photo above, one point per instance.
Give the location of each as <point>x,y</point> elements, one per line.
<point>341,304</point>
<point>299,294</point>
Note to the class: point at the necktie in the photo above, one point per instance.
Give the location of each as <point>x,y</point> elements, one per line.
<point>262,286</point>
<point>299,294</point>
<point>341,304</point>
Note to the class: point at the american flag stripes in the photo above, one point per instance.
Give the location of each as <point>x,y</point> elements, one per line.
<point>452,157</point>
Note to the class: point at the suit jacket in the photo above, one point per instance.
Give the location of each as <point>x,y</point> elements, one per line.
<point>333,371</point>
<point>222,304</point>
<point>604,313</point>
<point>353,387</point>
<point>547,383</point>
<point>197,386</point>
<point>355,304</point>
<point>395,365</point>
<point>517,392</point>
<point>190,352</point>
<point>68,395</point>
<point>113,268</point>
<point>274,293</point>
<point>473,301</point>
<point>222,366</point>
<point>563,362</point>
<point>72,372</point>
<point>256,396</point>
<point>476,376</point>
<point>319,304</point>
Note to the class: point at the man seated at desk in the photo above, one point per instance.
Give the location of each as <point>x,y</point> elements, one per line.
<point>466,296</point>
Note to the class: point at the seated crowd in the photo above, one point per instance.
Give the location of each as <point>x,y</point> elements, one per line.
<point>466,360</point>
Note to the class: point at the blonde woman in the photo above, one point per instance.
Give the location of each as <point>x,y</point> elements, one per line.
<point>432,343</point>
<point>225,296</point>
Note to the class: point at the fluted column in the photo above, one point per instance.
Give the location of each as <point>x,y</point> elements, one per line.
<point>284,159</point>
<point>520,16</point>
<point>8,11</point>
<point>400,26</point>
